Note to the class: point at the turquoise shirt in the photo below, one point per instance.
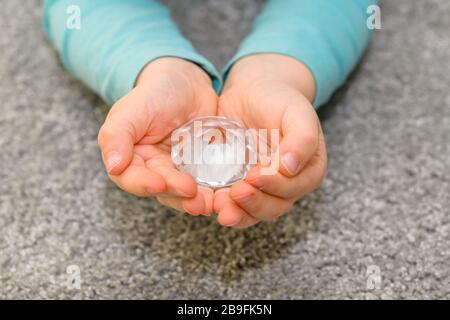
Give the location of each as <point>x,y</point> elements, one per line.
<point>115,39</point>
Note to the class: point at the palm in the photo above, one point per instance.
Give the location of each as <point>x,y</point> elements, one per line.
<point>167,114</point>
<point>257,108</point>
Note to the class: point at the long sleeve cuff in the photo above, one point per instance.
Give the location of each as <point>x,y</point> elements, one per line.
<point>116,39</point>
<point>328,36</point>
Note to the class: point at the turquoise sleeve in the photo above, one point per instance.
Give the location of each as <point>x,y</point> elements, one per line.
<point>328,36</point>
<point>115,40</point>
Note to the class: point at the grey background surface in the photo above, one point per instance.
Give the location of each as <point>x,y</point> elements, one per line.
<point>384,204</point>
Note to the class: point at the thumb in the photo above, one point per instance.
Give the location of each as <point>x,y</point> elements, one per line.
<point>116,145</point>
<point>123,127</point>
<point>300,138</point>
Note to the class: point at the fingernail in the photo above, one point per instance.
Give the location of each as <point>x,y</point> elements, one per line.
<point>112,160</point>
<point>291,163</point>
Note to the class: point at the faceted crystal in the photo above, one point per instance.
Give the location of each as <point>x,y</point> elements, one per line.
<point>214,150</point>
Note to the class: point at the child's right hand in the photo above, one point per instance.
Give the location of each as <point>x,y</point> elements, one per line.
<point>135,138</point>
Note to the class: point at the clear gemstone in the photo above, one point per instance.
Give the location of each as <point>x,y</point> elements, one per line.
<point>214,150</point>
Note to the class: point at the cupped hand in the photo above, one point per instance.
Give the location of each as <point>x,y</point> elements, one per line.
<point>135,138</point>
<point>271,91</point>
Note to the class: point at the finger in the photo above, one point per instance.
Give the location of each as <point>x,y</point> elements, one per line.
<point>124,126</point>
<point>177,183</point>
<point>140,181</point>
<point>221,197</point>
<point>276,185</point>
<point>232,215</point>
<point>116,145</point>
<point>258,204</point>
<point>194,206</point>
<point>229,214</point>
<point>201,204</point>
<point>305,182</point>
<point>171,201</point>
<point>300,137</point>
<point>208,197</point>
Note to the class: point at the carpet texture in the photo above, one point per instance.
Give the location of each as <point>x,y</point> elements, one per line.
<point>378,228</point>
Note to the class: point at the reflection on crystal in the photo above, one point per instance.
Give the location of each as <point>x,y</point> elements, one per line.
<point>214,150</point>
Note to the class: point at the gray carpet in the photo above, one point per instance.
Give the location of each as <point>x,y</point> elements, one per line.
<point>378,228</point>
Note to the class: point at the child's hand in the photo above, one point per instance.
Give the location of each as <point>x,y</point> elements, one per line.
<point>273,91</point>
<point>135,138</point>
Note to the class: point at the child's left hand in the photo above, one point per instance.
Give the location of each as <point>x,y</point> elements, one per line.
<point>268,91</point>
